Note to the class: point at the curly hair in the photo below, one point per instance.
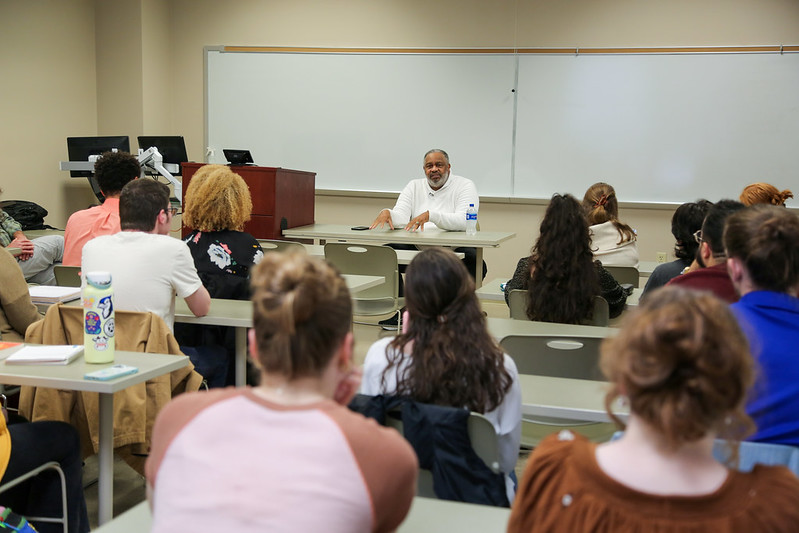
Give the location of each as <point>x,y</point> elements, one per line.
<point>686,221</point>
<point>600,206</point>
<point>765,238</point>
<point>114,170</point>
<point>217,199</point>
<point>764,193</point>
<point>684,364</point>
<point>454,361</point>
<point>563,277</point>
<point>302,310</point>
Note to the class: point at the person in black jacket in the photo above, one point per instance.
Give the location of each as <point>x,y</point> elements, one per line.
<point>560,275</point>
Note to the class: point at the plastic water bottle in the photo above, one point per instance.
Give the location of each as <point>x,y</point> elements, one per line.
<point>471,220</point>
<point>98,318</point>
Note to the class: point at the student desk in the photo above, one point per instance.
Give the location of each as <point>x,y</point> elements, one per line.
<point>238,314</point>
<point>404,257</point>
<point>571,399</point>
<point>427,515</point>
<point>70,377</point>
<point>502,327</point>
<point>491,292</point>
<point>428,237</point>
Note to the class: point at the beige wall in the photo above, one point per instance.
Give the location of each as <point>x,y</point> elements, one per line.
<point>139,69</point>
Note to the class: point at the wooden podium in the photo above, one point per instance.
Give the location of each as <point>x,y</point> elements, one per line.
<point>281,198</point>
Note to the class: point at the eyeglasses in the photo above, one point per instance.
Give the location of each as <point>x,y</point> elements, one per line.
<point>171,210</point>
<point>698,236</point>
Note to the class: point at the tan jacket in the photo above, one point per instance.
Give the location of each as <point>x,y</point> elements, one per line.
<point>136,407</point>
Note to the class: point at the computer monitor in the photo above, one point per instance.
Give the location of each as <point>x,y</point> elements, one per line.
<point>238,157</point>
<point>80,148</point>
<point>171,148</point>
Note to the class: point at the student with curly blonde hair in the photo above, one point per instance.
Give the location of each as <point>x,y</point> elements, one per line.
<point>613,242</point>
<point>216,206</point>
<point>684,367</point>
<point>764,193</point>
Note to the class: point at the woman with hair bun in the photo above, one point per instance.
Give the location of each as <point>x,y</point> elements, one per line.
<point>762,244</point>
<point>764,193</point>
<point>682,363</point>
<point>613,242</point>
<point>287,455</point>
<point>445,354</point>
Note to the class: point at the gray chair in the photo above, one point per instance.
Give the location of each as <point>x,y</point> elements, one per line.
<point>625,275</point>
<point>52,465</point>
<point>557,356</point>
<point>369,260</point>
<point>272,245</point>
<point>484,441</point>
<point>67,276</point>
<point>517,302</point>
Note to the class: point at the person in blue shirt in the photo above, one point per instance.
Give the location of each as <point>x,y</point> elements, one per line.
<point>762,244</point>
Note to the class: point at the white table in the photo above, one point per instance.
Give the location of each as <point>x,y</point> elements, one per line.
<point>502,327</point>
<point>428,237</point>
<point>238,314</point>
<point>491,292</point>
<point>571,399</point>
<point>404,257</point>
<point>427,515</point>
<point>70,377</point>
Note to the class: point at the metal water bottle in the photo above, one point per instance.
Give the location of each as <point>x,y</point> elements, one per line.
<point>471,220</point>
<point>98,318</point>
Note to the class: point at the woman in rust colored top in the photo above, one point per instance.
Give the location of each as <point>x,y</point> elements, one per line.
<point>683,364</point>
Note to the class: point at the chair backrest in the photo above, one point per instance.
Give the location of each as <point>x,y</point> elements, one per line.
<point>556,356</point>
<point>752,453</point>
<point>67,276</point>
<point>625,275</point>
<point>517,303</point>
<point>272,245</point>
<point>56,467</point>
<point>482,435</point>
<point>368,260</point>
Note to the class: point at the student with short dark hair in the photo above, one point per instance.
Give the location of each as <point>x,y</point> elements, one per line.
<point>112,171</point>
<point>682,363</point>
<point>762,245</point>
<point>286,455</point>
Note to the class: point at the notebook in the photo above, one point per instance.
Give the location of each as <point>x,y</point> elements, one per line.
<point>51,294</point>
<point>45,355</point>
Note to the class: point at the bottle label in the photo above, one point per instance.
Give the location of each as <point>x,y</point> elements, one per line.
<point>471,216</point>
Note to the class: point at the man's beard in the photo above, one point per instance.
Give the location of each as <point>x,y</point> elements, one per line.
<point>441,182</point>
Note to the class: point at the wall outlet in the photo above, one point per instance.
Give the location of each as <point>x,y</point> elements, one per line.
<point>662,257</point>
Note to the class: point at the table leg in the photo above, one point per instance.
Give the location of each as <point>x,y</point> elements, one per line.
<point>241,357</point>
<point>105,497</point>
<point>478,270</point>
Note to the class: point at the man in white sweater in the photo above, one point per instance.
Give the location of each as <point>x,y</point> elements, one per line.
<point>439,200</point>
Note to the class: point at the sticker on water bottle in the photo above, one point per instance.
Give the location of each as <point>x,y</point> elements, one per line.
<point>106,305</point>
<point>100,343</point>
<point>108,327</point>
<point>92,323</point>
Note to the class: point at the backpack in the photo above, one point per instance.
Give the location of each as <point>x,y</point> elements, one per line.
<point>29,214</point>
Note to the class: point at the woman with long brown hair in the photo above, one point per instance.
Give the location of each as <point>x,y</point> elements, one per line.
<point>561,276</point>
<point>612,241</point>
<point>445,354</point>
<point>682,364</point>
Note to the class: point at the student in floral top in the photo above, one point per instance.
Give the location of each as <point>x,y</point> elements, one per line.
<point>216,206</point>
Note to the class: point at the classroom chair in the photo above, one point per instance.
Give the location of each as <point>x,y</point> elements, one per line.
<point>273,245</point>
<point>67,276</point>
<point>517,303</point>
<point>52,465</point>
<point>369,260</point>
<point>625,275</point>
<point>557,356</point>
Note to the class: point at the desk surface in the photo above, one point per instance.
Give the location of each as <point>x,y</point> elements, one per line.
<point>432,236</point>
<point>426,515</point>
<point>490,291</point>
<point>502,327</point>
<point>71,376</point>
<point>572,399</point>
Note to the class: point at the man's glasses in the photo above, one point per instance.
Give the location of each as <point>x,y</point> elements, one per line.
<point>171,210</point>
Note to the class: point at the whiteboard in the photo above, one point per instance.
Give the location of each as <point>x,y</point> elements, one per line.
<point>660,128</point>
<point>364,121</point>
